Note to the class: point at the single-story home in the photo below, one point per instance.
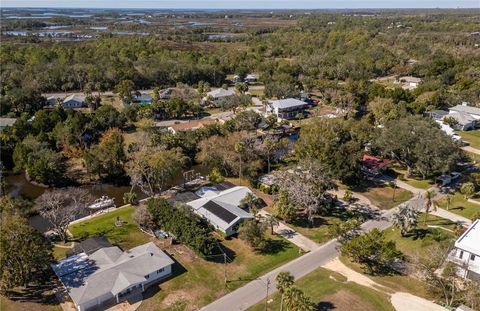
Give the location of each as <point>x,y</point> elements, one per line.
<point>222,207</point>
<point>74,101</point>
<point>373,166</point>
<point>51,101</point>
<point>191,125</point>
<point>237,79</point>
<point>110,275</point>
<point>142,99</point>
<point>409,82</point>
<point>464,121</point>
<point>464,108</point>
<point>287,108</point>
<point>219,95</point>
<point>466,254</point>
<point>4,122</point>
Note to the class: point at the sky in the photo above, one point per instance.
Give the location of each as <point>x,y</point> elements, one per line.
<point>243,4</point>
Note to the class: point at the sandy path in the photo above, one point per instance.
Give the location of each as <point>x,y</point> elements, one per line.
<point>400,301</point>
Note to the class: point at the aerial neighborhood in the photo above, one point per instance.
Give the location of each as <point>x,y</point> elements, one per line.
<point>220,159</point>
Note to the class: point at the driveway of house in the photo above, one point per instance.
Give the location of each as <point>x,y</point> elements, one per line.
<point>408,302</point>
<point>291,235</point>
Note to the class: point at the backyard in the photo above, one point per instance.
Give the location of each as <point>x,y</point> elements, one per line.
<point>330,291</point>
<point>186,289</point>
<point>461,206</point>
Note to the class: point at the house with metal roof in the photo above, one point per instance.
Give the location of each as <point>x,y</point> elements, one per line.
<point>222,208</point>
<point>466,116</point>
<point>218,96</point>
<point>287,108</point>
<point>74,101</point>
<point>466,253</point>
<point>110,275</point>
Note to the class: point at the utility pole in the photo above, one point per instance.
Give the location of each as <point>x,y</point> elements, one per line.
<point>266,297</point>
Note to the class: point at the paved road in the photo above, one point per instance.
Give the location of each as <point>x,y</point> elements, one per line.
<point>471,149</point>
<point>255,291</point>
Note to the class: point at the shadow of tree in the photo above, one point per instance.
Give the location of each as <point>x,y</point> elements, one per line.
<point>325,306</point>
<point>274,247</point>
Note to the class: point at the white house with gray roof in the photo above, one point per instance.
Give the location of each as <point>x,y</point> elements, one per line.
<point>466,116</point>
<point>109,275</point>
<point>74,101</point>
<point>466,253</point>
<point>287,108</point>
<point>220,95</point>
<point>221,208</point>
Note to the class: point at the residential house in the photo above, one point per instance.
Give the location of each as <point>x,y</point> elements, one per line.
<point>408,82</point>
<point>4,122</point>
<point>437,115</point>
<point>190,125</point>
<point>219,95</point>
<point>236,79</point>
<point>142,99</point>
<point>109,275</point>
<point>89,246</point>
<point>373,166</point>
<point>287,108</point>
<point>51,101</point>
<point>466,116</point>
<point>222,208</point>
<point>466,253</point>
<point>74,101</point>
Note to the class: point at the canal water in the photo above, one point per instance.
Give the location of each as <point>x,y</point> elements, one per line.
<point>18,186</point>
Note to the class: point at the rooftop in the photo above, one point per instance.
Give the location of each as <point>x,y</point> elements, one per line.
<point>7,122</point>
<point>287,103</point>
<point>108,271</point>
<point>466,108</point>
<point>220,93</point>
<point>470,240</point>
<point>374,162</point>
<point>76,97</point>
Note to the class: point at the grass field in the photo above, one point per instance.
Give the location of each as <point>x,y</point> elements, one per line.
<point>126,236</point>
<point>460,206</point>
<point>473,137</point>
<point>399,172</point>
<point>10,305</point>
<point>196,281</point>
<point>330,291</point>
<point>381,195</point>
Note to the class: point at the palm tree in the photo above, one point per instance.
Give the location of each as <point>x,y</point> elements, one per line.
<point>271,221</point>
<point>284,280</point>
<point>251,203</point>
<point>449,201</point>
<point>240,148</point>
<point>429,195</point>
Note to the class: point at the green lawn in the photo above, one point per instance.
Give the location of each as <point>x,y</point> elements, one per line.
<point>460,206</point>
<point>126,236</point>
<point>399,172</point>
<point>318,232</point>
<point>418,241</point>
<point>381,195</point>
<point>196,281</point>
<point>473,137</point>
<point>329,290</point>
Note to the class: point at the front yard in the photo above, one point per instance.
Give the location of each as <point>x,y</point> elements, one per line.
<point>383,196</point>
<point>331,291</point>
<point>195,281</point>
<point>459,205</point>
<point>473,137</point>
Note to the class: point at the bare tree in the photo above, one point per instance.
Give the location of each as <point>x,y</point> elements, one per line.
<point>143,217</point>
<point>62,206</point>
<point>307,187</point>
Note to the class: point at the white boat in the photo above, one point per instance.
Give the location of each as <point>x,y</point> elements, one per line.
<point>102,202</point>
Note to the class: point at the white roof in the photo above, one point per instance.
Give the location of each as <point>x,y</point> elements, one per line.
<point>220,93</point>
<point>287,103</point>
<point>462,117</point>
<point>228,201</point>
<point>7,122</point>
<point>108,271</point>
<point>470,240</point>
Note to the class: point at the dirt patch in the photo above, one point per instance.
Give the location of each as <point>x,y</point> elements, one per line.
<point>344,300</point>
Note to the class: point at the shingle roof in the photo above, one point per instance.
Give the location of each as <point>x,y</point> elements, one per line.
<point>462,117</point>
<point>75,97</point>
<point>108,271</point>
<point>467,109</point>
<point>7,122</point>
